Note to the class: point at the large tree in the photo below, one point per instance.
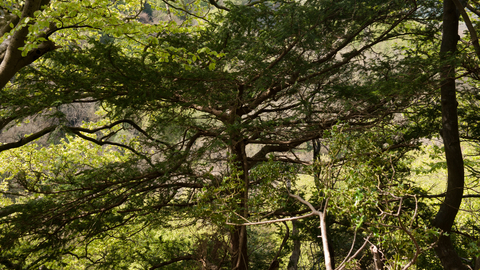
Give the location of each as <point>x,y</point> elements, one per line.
<point>195,111</point>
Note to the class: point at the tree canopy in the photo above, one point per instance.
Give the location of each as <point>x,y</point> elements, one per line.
<point>222,128</point>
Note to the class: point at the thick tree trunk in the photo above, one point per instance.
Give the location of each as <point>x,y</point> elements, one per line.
<point>239,248</point>
<point>239,234</point>
<point>449,208</point>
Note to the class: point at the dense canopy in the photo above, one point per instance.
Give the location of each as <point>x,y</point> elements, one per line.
<point>239,135</point>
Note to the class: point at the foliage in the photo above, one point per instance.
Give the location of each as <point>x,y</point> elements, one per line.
<point>204,122</point>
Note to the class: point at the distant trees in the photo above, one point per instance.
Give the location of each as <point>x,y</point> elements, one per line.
<point>205,127</point>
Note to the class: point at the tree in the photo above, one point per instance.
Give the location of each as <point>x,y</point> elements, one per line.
<point>446,215</point>
<point>195,112</point>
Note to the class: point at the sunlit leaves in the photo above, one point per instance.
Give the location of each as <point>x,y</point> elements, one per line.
<point>75,22</point>
<point>273,75</point>
<point>39,170</point>
<point>367,184</point>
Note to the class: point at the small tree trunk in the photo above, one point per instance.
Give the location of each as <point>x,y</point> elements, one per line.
<point>239,248</point>
<point>377,258</point>
<point>477,263</point>
<point>326,250</point>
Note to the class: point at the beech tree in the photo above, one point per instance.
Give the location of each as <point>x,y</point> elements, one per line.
<point>200,119</point>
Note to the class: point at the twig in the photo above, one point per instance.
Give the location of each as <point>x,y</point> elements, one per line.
<point>270,221</point>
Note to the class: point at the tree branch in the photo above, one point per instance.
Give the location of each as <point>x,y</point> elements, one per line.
<point>8,210</point>
<point>470,27</point>
<point>12,60</point>
<point>343,264</point>
<point>270,221</point>
<point>442,195</point>
<point>214,3</point>
<point>178,259</point>
<point>27,139</point>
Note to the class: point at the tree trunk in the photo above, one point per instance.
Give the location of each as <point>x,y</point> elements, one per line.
<point>329,263</point>
<point>377,258</point>
<point>326,249</point>
<point>293,262</point>
<point>239,248</point>
<point>239,233</point>
<point>453,153</point>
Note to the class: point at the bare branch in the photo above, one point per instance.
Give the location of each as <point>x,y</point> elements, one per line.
<point>27,139</point>
<point>214,3</point>
<point>441,195</point>
<point>468,23</point>
<point>342,266</point>
<point>472,9</point>
<point>178,259</point>
<point>126,121</point>
<point>270,221</point>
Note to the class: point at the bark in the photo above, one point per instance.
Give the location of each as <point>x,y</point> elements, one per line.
<point>323,229</point>
<point>329,262</point>
<point>27,139</point>
<point>239,233</point>
<point>377,258</point>
<point>326,250</point>
<point>453,153</point>
<point>293,262</point>
<point>239,248</point>
<point>471,29</point>
<point>178,259</point>
<point>10,56</point>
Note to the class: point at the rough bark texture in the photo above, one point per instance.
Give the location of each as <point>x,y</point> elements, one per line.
<point>449,208</point>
